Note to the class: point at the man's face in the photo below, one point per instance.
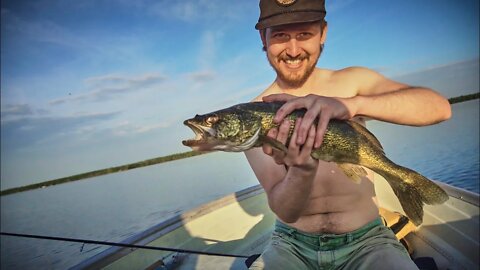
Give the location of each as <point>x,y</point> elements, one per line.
<point>293,51</point>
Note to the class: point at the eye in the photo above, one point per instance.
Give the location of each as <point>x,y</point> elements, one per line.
<point>212,119</point>
<point>281,36</point>
<point>304,36</point>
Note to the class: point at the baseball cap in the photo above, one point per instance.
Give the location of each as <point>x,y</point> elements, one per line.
<point>280,12</point>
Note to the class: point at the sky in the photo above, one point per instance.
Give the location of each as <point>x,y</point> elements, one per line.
<point>98,83</point>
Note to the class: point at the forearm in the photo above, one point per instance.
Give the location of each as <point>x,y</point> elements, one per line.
<point>289,197</point>
<point>409,106</point>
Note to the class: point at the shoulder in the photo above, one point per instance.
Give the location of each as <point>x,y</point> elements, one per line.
<point>272,89</point>
<point>356,71</point>
<point>367,81</point>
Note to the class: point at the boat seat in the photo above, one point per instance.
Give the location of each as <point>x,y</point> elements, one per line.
<point>399,224</point>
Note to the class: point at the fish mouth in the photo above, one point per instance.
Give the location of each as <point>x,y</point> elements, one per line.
<point>202,135</point>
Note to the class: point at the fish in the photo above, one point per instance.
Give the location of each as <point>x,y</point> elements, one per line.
<point>349,144</point>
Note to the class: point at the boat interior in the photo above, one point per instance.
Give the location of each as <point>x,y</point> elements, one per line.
<point>236,228</point>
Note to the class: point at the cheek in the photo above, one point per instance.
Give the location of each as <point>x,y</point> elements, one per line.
<point>275,49</point>
<point>312,47</point>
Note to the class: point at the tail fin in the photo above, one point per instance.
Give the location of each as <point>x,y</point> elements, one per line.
<point>413,191</point>
<point>411,203</point>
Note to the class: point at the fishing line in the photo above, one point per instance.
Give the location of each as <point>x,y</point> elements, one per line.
<point>116,244</point>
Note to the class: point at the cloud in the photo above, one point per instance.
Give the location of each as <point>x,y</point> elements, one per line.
<point>16,110</point>
<point>38,30</point>
<point>200,10</point>
<point>127,129</point>
<point>111,85</point>
<point>133,81</point>
<point>26,131</point>
<point>202,76</point>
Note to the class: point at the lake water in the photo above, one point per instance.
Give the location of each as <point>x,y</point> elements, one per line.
<point>114,207</point>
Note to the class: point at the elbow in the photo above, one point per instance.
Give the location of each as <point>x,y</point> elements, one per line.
<point>448,112</point>
<point>290,219</point>
<point>445,111</point>
<point>285,214</point>
<point>441,111</point>
<point>288,216</point>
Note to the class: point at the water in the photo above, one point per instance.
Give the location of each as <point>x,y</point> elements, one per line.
<point>114,207</point>
<point>447,152</point>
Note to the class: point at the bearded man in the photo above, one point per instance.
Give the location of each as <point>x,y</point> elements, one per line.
<point>324,220</point>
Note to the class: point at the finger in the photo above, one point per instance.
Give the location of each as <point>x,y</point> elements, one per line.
<point>267,149</point>
<point>321,128</point>
<point>308,146</point>
<point>288,108</point>
<point>283,131</point>
<point>278,157</point>
<point>293,140</point>
<point>307,121</point>
<point>278,97</point>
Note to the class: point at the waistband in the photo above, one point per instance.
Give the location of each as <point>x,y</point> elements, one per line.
<point>326,241</point>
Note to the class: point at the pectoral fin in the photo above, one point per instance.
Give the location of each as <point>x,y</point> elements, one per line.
<point>273,143</point>
<point>354,172</point>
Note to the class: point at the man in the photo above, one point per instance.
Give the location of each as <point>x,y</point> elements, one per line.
<point>325,221</point>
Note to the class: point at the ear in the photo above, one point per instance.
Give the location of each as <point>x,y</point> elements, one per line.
<point>324,34</point>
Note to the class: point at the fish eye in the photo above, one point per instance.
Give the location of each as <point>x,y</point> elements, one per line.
<point>212,119</point>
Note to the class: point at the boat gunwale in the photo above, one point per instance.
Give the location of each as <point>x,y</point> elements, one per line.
<point>460,193</point>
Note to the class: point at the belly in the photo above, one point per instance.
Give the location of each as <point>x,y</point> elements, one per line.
<point>337,204</point>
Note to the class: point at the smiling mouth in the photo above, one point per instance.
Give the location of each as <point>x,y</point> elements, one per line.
<point>293,63</point>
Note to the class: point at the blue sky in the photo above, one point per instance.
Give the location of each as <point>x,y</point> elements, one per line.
<point>93,84</point>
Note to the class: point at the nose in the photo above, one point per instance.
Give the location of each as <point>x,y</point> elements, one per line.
<point>293,48</point>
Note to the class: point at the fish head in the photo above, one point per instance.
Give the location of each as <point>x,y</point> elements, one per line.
<point>229,130</point>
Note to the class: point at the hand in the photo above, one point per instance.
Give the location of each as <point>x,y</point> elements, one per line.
<point>297,155</point>
<point>323,108</point>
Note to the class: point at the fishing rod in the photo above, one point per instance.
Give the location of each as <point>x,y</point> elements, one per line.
<point>125,245</point>
<point>152,161</point>
<point>96,173</point>
<point>464,98</point>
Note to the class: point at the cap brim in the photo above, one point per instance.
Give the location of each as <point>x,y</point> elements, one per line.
<point>290,18</point>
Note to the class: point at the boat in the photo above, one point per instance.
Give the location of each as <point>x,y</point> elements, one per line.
<point>230,232</point>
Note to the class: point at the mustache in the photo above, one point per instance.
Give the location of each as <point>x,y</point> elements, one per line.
<point>286,57</point>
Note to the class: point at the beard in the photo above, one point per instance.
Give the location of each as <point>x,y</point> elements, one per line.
<point>298,78</point>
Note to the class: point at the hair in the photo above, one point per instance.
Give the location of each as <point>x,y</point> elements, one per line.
<point>263,32</point>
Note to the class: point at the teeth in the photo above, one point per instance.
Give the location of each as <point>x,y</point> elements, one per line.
<point>293,62</point>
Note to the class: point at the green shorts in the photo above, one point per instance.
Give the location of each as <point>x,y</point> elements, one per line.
<point>373,246</point>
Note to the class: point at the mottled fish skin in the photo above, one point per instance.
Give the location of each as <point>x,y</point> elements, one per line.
<point>243,126</point>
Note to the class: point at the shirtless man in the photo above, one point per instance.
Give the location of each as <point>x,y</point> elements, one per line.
<point>324,219</point>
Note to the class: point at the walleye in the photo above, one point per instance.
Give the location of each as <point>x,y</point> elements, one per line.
<point>347,143</point>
